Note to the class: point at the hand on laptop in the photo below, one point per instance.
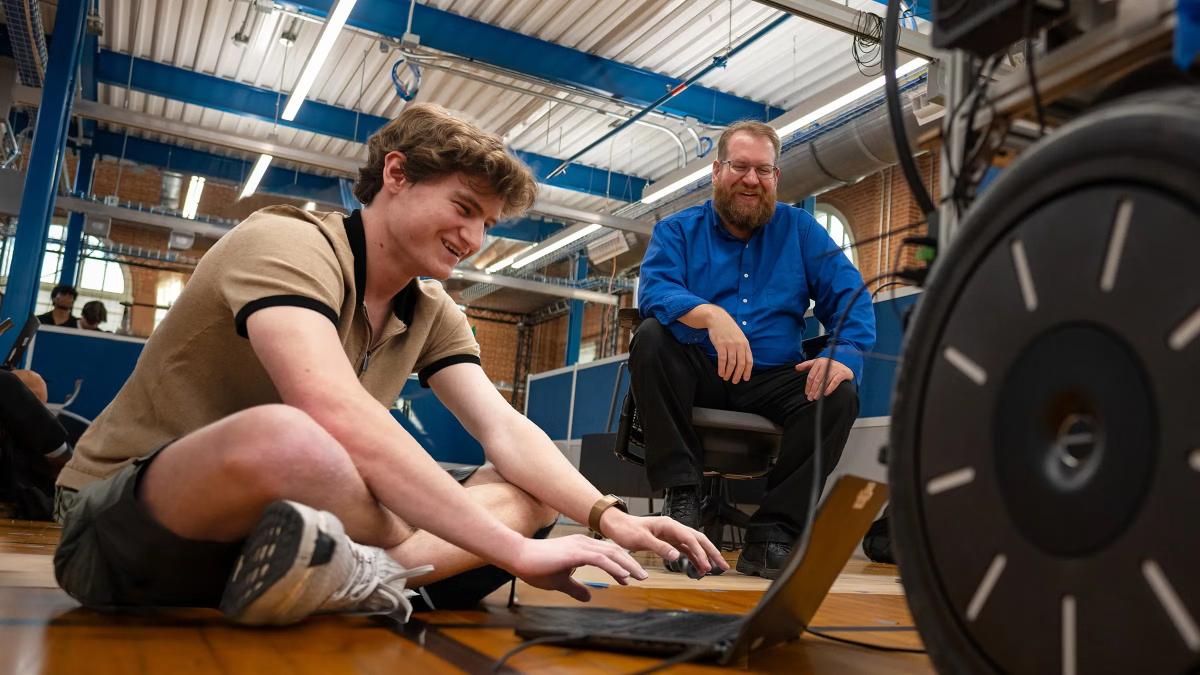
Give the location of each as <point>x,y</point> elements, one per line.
<point>665,536</point>
<point>549,563</point>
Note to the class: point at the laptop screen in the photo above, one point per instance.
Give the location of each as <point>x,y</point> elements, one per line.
<point>17,353</point>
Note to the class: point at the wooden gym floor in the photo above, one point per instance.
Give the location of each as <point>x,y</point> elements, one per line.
<point>42,630</point>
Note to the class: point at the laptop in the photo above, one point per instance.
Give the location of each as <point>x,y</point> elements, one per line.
<point>781,615</point>
<point>23,339</point>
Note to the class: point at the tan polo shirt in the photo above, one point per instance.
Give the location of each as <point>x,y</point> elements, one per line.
<point>198,367</point>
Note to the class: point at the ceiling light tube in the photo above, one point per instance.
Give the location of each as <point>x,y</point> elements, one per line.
<point>496,267</point>
<point>543,250</point>
<point>329,35</point>
<point>256,175</point>
<point>192,201</point>
<point>656,193</point>
<point>845,100</point>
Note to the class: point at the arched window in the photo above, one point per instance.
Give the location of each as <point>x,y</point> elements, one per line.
<point>835,223</point>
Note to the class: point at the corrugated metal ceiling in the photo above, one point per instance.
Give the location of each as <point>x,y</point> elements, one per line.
<point>671,37</point>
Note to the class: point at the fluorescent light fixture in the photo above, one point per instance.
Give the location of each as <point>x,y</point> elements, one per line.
<point>256,175</point>
<point>192,201</point>
<point>266,29</point>
<point>497,266</point>
<point>310,205</point>
<point>845,100</point>
<point>656,193</point>
<point>541,251</point>
<point>329,35</point>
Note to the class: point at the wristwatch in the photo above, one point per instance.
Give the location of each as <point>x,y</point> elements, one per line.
<point>603,504</point>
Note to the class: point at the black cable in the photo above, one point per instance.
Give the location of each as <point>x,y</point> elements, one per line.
<point>691,654</point>
<point>891,34</point>
<point>1033,85</point>
<point>865,44</point>
<point>547,640</point>
<point>868,645</point>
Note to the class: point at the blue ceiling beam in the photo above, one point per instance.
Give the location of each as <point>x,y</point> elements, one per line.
<point>511,50</point>
<point>277,181</point>
<point>209,91</point>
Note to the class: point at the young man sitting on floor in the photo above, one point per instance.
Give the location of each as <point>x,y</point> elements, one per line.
<point>250,461</point>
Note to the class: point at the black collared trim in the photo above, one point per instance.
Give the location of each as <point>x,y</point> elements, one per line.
<point>429,370</point>
<point>404,304</point>
<point>253,306</point>
<point>357,238</point>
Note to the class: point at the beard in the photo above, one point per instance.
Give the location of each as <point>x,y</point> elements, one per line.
<point>742,216</point>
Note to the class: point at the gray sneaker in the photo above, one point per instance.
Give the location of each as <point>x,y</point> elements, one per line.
<point>298,562</point>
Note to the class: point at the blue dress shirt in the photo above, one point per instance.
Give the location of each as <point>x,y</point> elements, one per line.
<point>764,283</point>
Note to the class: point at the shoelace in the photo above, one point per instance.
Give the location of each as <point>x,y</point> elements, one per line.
<point>369,590</point>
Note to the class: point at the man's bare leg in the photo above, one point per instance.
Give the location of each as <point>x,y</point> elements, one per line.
<point>213,484</point>
<point>511,505</point>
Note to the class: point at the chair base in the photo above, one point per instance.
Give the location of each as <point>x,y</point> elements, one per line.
<point>718,510</point>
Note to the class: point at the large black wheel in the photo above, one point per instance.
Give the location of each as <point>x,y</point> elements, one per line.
<point>1045,465</point>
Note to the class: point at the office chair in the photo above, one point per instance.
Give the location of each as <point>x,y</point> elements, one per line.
<point>737,446</point>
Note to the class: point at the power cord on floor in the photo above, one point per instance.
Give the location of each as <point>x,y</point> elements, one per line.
<point>547,640</point>
<point>868,645</point>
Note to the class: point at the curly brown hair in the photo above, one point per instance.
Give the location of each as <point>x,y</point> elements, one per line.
<point>436,144</point>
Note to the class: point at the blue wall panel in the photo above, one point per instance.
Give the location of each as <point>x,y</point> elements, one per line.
<point>550,403</point>
<point>593,393</point>
<point>879,372</point>
<point>435,428</point>
<point>102,363</point>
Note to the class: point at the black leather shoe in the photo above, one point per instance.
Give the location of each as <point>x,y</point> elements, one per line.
<point>764,559</point>
<point>683,505</point>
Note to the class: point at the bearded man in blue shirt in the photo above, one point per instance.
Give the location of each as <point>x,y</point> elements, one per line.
<point>723,292</point>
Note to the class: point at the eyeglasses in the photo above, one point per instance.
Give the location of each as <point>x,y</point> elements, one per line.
<point>763,171</point>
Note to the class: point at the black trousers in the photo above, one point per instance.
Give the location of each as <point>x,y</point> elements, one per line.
<point>669,378</point>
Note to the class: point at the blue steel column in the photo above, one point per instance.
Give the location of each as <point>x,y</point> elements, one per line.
<point>808,204</point>
<point>83,184</point>
<point>575,317</point>
<point>45,163</point>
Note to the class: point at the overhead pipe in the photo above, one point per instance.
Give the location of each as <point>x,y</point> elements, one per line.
<point>840,152</point>
<point>718,61</point>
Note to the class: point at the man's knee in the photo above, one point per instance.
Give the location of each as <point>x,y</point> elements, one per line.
<point>650,338</point>
<point>274,446</point>
<point>843,402</point>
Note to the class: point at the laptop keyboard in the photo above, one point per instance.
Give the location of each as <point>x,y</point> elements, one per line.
<point>650,624</point>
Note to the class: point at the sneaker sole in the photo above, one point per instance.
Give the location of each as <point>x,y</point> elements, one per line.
<point>272,575</point>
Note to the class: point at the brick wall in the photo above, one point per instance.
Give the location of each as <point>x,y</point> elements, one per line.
<point>141,184</point>
<point>878,205</point>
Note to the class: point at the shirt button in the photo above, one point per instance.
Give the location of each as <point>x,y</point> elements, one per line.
<point>744,300</point>
<point>745,276</point>
<point>743,323</point>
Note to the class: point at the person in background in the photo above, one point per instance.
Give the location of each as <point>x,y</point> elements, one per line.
<point>62,301</point>
<point>94,313</point>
